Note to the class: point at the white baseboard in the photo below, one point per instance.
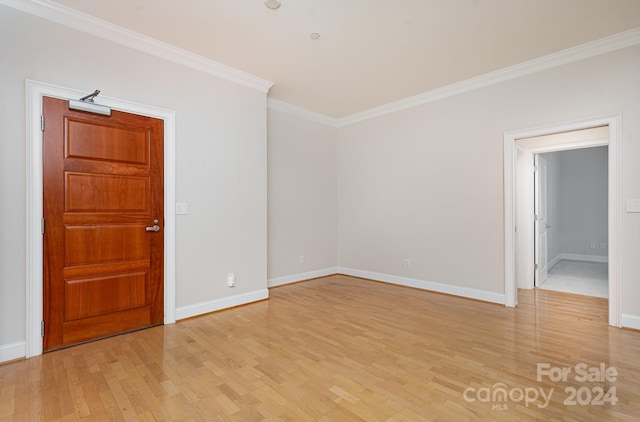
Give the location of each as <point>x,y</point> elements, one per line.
<point>279,281</point>
<point>581,257</point>
<point>13,351</point>
<point>554,261</point>
<point>219,304</point>
<point>630,321</point>
<point>427,285</point>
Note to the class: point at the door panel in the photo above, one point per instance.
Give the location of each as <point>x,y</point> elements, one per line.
<point>541,223</point>
<point>95,193</point>
<point>86,297</point>
<point>103,186</point>
<point>96,327</point>
<point>106,142</point>
<point>99,244</point>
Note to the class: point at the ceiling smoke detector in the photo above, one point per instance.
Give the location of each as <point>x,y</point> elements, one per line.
<point>272,4</point>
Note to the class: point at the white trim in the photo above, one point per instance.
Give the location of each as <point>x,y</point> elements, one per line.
<point>509,177</point>
<point>293,110</point>
<point>12,351</point>
<point>570,55</point>
<point>630,321</point>
<point>294,278</point>
<point>554,261</point>
<point>582,257</point>
<point>450,289</point>
<point>577,257</point>
<point>222,303</point>
<point>35,91</point>
<point>100,28</point>
<point>581,52</point>
<point>615,170</point>
<point>510,171</point>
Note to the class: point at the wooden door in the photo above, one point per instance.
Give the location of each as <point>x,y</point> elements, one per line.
<point>103,189</point>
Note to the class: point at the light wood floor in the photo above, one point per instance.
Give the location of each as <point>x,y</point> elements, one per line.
<point>337,349</point>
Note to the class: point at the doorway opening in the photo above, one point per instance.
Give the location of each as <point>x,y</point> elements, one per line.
<point>520,148</point>
<point>570,206</point>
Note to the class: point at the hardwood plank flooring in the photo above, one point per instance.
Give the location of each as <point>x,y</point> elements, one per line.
<point>341,349</point>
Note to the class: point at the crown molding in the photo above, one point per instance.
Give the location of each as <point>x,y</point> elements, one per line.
<point>91,25</point>
<point>80,21</point>
<point>304,113</point>
<point>581,52</point>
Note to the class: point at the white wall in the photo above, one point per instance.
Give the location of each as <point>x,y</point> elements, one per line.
<point>578,201</point>
<point>302,198</point>
<point>427,183</point>
<point>424,184</point>
<point>221,154</point>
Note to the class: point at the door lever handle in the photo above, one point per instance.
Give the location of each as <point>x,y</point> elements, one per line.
<point>155,228</point>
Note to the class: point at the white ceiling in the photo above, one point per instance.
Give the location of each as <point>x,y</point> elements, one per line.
<point>370,52</point>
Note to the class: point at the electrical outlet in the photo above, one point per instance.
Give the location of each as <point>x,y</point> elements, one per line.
<point>633,205</point>
<point>603,245</point>
<point>407,263</point>
<point>592,245</point>
<point>231,280</point>
<point>301,259</point>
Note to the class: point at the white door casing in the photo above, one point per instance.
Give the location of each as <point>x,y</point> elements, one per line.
<point>511,148</point>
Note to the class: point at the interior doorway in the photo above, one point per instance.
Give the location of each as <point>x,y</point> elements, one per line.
<point>519,148</point>
<point>570,198</point>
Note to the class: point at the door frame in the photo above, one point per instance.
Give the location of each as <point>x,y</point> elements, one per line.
<point>511,147</point>
<point>34,287</point>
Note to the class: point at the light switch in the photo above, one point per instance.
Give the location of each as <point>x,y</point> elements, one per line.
<point>182,208</point>
<point>633,205</point>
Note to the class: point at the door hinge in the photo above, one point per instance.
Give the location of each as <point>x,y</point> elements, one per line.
<point>535,217</point>
<point>535,266</point>
<point>42,328</point>
<point>535,168</point>
<point>42,122</point>
<point>42,225</point>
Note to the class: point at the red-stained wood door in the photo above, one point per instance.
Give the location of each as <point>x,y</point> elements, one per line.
<point>103,192</point>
